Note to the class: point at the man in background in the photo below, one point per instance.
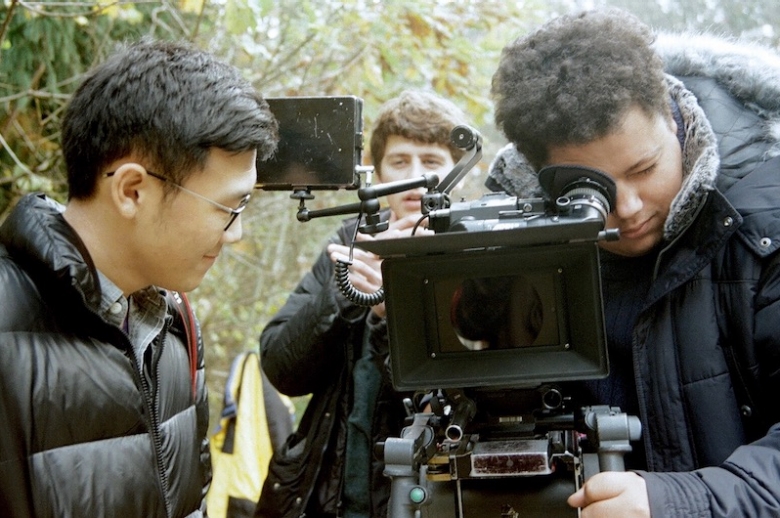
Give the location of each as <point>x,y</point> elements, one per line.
<point>323,344</point>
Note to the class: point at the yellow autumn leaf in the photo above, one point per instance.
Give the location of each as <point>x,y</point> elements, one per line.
<point>110,10</point>
<point>191,6</point>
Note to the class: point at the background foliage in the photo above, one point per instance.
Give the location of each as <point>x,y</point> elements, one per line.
<point>368,48</point>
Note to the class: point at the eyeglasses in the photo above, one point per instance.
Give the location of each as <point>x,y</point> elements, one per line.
<point>233,213</point>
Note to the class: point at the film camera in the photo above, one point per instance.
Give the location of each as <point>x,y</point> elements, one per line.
<point>489,321</point>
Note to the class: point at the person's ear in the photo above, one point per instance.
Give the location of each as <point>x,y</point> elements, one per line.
<point>129,188</point>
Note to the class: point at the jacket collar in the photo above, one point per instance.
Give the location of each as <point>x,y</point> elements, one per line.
<point>37,236</point>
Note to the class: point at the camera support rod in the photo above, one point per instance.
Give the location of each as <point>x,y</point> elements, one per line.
<point>305,214</point>
<point>369,195</point>
<point>465,138</point>
<point>429,181</point>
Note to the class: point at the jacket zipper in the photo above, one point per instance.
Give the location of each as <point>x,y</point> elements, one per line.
<point>149,401</point>
<point>154,420</point>
<point>640,392</point>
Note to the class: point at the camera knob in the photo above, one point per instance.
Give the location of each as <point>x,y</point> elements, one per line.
<point>463,136</point>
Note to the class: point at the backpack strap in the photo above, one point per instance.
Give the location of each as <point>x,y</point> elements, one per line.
<point>192,332</point>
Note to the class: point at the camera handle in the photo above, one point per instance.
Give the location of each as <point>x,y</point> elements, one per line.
<point>406,460</point>
<point>611,432</point>
<point>469,139</point>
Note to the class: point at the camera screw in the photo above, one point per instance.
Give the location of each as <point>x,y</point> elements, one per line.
<point>417,495</point>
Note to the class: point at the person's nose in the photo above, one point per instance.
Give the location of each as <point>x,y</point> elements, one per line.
<point>418,169</point>
<point>628,202</point>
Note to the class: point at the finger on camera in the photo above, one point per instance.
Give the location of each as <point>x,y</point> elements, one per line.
<point>370,270</point>
<point>336,248</point>
<point>364,237</point>
<point>402,231</point>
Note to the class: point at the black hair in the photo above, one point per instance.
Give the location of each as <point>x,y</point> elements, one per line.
<point>166,103</point>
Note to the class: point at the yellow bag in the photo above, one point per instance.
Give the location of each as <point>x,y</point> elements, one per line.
<point>241,447</point>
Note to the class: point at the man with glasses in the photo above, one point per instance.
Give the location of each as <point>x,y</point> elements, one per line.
<point>232,213</point>
<point>102,393</point>
<point>322,344</point>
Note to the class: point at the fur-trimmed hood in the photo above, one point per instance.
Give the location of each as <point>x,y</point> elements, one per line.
<point>750,72</point>
<point>747,74</point>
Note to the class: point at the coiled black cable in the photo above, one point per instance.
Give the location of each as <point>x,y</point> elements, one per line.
<point>353,294</point>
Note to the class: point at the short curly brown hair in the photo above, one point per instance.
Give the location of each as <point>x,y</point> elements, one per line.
<point>418,115</point>
<point>571,81</point>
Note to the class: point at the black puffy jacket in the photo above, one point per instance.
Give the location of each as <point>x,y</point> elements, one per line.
<point>707,358</point>
<point>707,346</point>
<point>310,347</point>
<point>83,432</point>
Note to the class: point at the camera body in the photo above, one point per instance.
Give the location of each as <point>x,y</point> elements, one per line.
<point>489,319</point>
<point>506,293</point>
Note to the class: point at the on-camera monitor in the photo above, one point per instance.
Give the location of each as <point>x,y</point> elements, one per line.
<point>320,144</point>
<point>495,318</point>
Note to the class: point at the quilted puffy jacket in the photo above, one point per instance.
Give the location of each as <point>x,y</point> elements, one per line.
<point>83,432</point>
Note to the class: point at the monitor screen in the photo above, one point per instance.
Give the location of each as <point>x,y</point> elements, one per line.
<point>320,144</point>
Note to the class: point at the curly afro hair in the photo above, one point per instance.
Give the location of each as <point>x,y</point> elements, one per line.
<point>572,80</point>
